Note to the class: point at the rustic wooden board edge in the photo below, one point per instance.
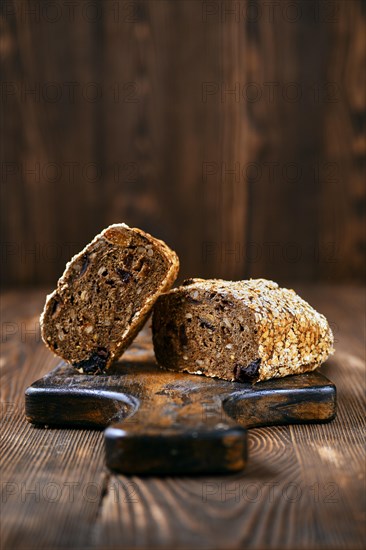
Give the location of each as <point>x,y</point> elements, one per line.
<point>317,403</point>
<point>87,408</point>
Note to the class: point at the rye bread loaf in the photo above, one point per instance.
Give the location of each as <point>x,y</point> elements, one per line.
<point>245,331</point>
<point>105,296</point>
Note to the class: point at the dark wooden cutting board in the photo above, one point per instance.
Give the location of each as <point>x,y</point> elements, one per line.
<point>159,422</point>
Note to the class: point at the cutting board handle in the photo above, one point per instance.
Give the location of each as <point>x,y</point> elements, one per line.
<point>193,438</point>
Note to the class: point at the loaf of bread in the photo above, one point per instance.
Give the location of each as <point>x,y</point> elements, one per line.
<point>246,331</point>
<point>105,295</point>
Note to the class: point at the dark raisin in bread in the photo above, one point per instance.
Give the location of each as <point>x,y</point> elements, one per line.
<point>245,331</point>
<point>105,296</point>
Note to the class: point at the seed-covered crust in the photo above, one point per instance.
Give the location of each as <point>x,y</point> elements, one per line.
<point>105,295</point>
<point>245,330</point>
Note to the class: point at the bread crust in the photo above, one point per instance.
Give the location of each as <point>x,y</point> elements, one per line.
<point>245,330</point>
<point>112,239</point>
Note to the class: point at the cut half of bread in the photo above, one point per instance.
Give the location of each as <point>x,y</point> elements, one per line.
<point>105,296</point>
<point>246,331</point>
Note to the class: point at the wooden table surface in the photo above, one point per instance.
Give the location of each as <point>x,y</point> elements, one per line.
<point>303,486</point>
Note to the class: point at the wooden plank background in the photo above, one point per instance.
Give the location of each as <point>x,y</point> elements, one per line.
<point>234,130</point>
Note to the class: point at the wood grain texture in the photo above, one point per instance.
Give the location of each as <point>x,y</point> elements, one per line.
<point>303,486</point>
<point>342,203</point>
<point>234,130</point>
<point>48,73</point>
